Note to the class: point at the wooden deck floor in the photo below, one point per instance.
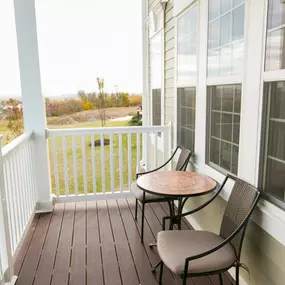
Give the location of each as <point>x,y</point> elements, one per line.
<point>95,243</point>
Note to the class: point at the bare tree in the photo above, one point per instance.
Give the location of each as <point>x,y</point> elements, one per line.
<point>103,102</point>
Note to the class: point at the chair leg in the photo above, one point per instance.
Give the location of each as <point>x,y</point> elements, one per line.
<point>136,212</point>
<point>160,273</point>
<point>142,228</point>
<point>184,279</point>
<point>237,274</point>
<point>221,278</point>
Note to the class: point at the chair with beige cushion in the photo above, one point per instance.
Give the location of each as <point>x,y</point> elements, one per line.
<point>182,163</point>
<point>195,253</point>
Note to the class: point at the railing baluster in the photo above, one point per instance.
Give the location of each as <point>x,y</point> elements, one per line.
<point>74,149</point>
<point>102,150</point>
<point>9,205</point>
<point>83,147</point>
<point>29,176</point>
<point>32,166</point>
<point>13,201</point>
<point>55,165</point>
<point>65,166</point>
<point>121,163</point>
<point>94,174</point>
<point>19,190</point>
<point>130,169</point>
<point>16,197</point>
<point>23,183</point>
<point>138,152</point>
<point>112,163</point>
<point>155,151</point>
<point>147,151</point>
<point>164,153</point>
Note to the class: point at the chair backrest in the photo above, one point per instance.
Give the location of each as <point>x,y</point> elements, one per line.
<point>243,197</point>
<point>184,158</point>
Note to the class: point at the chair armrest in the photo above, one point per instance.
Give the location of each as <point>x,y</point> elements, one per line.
<point>226,241</point>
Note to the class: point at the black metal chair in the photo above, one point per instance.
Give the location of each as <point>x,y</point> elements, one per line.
<point>197,253</point>
<point>149,198</point>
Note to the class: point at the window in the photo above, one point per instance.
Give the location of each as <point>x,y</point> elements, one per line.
<point>225,37</point>
<point>224,127</point>
<point>156,77</point>
<point>273,160</point>
<point>275,45</point>
<point>186,77</point>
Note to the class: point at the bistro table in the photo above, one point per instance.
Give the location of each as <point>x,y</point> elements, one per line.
<point>177,185</point>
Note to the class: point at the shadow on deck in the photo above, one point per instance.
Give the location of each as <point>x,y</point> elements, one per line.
<point>95,243</point>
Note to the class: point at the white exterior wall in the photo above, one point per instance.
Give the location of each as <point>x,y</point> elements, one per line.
<point>264,245</point>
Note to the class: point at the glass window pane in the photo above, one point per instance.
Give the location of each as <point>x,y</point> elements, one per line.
<point>213,63</point>
<point>226,156</point>
<point>225,61</point>
<point>237,102</point>
<point>277,103</point>
<point>236,129</point>
<point>215,151</point>
<point>227,124</point>
<point>237,2</point>
<point>213,35</point>
<point>228,99</point>
<point>276,13</point>
<point>225,5</point>
<point>238,23</point>
<point>275,179</point>
<point>225,29</point>
<point>216,124</point>
<point>276,140</point>
<point>237,58</point>
<point>217,99</point>
<point>214,9</point>
<point>275,50</point>
<point>235,159</point>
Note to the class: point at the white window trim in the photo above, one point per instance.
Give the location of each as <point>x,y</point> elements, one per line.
<point>192,82</point>
<point>159,9</point>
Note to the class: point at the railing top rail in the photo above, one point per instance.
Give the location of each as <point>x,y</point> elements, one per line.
<point>108,130</point>
<point>14,144</point>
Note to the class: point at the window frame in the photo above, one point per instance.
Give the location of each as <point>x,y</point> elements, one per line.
<point>268,76</point>
<point>232,79</point>
<point>193,81</point>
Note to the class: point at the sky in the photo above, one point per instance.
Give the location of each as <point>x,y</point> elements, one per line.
<point>79,40</point>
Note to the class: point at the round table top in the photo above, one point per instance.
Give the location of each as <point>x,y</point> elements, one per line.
<point>176,183</point>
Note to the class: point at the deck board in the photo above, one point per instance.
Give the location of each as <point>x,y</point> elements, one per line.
<point>98,243</point>
<point>94,260</point>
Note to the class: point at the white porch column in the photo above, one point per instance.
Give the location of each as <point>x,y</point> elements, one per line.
<point>33,101</point>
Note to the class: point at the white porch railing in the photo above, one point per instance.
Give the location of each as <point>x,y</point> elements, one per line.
<point>18,199</point>
<point>101,163</point>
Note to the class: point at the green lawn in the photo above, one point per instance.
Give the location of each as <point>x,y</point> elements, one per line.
<point>98,162</point>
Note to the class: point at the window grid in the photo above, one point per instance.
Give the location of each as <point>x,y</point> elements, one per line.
<point>186,98</point>
<point>215,156</point>
<point>229,56</point>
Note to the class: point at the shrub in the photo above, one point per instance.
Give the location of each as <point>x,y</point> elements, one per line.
<point>135,121</point>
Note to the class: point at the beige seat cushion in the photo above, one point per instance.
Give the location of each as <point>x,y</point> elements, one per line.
<point>139,194</point>
<point>175,246</point>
